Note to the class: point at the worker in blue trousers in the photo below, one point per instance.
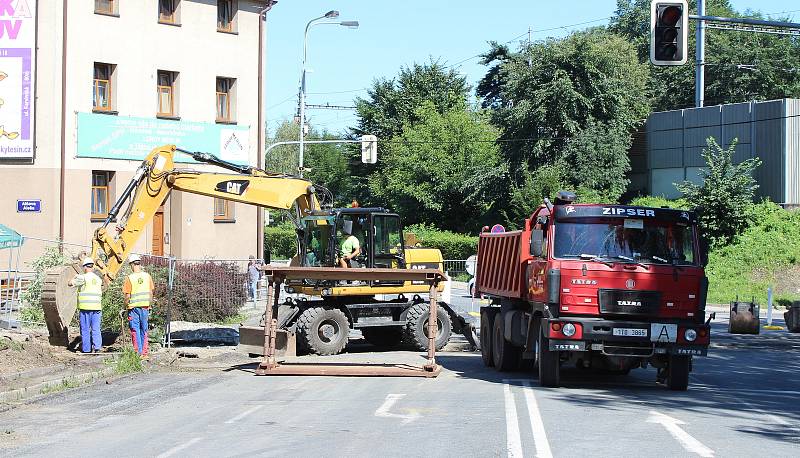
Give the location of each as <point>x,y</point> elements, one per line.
<point>138,290</point>
<point>90,306</point>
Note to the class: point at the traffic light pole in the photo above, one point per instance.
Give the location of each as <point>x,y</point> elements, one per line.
<point>700,57</point>
<point>757,25</point>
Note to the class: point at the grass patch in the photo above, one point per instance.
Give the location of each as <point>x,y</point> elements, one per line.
<point>235,319</point>
<point>8,344</point>
<point>65,384</point>
<point>127,362</point>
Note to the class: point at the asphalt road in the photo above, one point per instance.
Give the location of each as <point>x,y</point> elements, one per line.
<point>743,401</point>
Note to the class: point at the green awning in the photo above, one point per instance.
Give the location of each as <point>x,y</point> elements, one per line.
<point>9,238</point>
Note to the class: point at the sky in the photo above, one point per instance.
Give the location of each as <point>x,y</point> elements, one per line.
<point>343,62</point>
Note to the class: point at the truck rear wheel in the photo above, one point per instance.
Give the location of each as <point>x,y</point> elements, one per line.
<point>487,322</point>
<point>549,363</point>
<point>383,336</point>
<point>323,331</point>
<point>678,372</point>
<point>504,354</point>
<point>417,326</point>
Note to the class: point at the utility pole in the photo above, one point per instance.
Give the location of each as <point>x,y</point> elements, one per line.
<point>700,57</point>
<point>529,47</point>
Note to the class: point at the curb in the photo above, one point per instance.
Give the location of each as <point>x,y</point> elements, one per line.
<point>33,390</point>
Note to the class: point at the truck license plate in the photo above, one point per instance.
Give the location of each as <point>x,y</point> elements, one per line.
<point>630,332</point>
<point>663,332</point>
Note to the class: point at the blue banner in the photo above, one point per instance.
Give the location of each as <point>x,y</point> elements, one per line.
<point>126,137</point>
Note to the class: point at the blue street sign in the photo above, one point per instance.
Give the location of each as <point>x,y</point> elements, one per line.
<point>29,205</point>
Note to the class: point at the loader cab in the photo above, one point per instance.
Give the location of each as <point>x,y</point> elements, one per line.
<point>378,231</point>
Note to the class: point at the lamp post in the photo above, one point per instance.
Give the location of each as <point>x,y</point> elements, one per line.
<point>333,14</point>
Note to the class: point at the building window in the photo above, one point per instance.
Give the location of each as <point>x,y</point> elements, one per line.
<point>106,7</point>
<point>100,195</point>
<point>103,99</point>
<point>223,211</point>
<point>168,11</point>
<point>167,90</point>
<point>226,93</point>
<point>226,16</point>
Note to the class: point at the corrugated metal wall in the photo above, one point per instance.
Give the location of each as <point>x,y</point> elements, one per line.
<point>769,130</point>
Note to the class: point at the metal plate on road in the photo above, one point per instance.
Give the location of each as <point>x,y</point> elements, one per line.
<point>663,332</point>
<point>629,332</point>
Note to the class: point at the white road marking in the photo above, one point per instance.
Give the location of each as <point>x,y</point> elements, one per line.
<point>537,425</point>
<point>391,399</point>
<point>178,448</point>
<point>513,440</point>
<point>243,414</point>
<point>689,443</point>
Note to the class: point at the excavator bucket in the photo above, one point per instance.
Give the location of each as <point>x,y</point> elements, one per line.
<point>59,301</point>
<point>251,341</point>
<point>744,318</point>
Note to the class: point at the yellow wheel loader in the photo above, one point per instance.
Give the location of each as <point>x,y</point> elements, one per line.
<point>322,319</point>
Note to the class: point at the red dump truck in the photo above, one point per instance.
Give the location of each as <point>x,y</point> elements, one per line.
<point>609,287</point>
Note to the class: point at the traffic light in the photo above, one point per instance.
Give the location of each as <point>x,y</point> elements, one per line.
<point>668,32</point>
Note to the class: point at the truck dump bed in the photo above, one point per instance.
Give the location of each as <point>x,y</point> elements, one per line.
<point>501,265</point>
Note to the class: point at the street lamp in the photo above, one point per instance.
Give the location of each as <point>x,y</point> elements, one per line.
<point>333,14</point>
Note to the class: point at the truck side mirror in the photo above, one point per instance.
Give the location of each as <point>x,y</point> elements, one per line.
<point>537,242</point>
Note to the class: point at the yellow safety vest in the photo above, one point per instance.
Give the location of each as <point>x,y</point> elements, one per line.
<point>140,289</point>
<point>90,294</point>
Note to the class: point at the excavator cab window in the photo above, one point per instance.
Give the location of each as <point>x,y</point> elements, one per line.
<point>316,245</point>
<point>388,241</point>
<point>359,225</point>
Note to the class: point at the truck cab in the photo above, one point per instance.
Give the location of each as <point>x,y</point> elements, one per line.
<point>613,287</point>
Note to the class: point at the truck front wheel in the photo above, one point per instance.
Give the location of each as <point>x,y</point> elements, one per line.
<point>504,354</point>
<point>549,364</point>
<point>678,372</point>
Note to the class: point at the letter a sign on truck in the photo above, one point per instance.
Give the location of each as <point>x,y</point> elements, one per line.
<point>17,48</point>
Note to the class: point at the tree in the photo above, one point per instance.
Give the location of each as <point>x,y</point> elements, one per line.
<point>770,61</point>
<point>329,164</point>
<point>573,101</point>
<point>724,201</point>
<point>443,169</point>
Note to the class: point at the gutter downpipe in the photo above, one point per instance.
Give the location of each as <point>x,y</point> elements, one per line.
<point>262,17</point>
<point>63,120</point>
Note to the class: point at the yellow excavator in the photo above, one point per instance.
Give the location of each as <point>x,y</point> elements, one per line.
<point>320,324</point>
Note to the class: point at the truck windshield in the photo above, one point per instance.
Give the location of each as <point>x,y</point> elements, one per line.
<point>652,242</point>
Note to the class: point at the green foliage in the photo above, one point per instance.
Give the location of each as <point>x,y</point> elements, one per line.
<point>32,295</point>
<point>445,169</point>
<point>757,258</point>
<point>8,344</point>
<point>543,182</point>
<point>281,241</point>
<point>552,90</point>
<point>128,361</point>
<point>724,201</point>
<point>658,202</point>
<point>451,244</point>
<point>598,162</point>
<point>772,60</point>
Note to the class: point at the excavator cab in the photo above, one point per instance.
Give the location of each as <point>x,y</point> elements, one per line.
<point>378,231</point>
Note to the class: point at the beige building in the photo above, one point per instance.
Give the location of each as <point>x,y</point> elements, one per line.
<point>133,75</point>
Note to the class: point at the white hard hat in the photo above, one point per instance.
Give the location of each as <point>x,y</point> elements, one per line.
<point>134,258</point>
<point>87,262</point>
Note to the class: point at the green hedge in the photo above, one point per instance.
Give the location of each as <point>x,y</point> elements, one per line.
<point>658,202</point>
<point>451,244</point>
<point>281,241</point>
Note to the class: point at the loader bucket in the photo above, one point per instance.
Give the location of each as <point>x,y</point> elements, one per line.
<point>251,342</point>
<point>744,318</point>
<point>792,317</point>
<point>59,302</point>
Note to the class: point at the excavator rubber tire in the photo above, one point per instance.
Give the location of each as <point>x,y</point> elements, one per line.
<point>505,355</point>
<point>416,330</point>
<point>323,331</point>
<point>59,302</point>
<point>383,336</point>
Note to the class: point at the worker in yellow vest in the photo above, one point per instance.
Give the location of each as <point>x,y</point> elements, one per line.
<point>138,290</point>
<point>90,306</point>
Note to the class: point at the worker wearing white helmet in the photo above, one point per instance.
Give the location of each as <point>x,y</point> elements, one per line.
<point>90,306</point>
<point>138,289</point>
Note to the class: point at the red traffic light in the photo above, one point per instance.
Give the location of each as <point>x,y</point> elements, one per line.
<point>670,16</point>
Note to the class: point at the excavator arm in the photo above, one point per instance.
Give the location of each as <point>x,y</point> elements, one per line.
<point>157,177</point>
